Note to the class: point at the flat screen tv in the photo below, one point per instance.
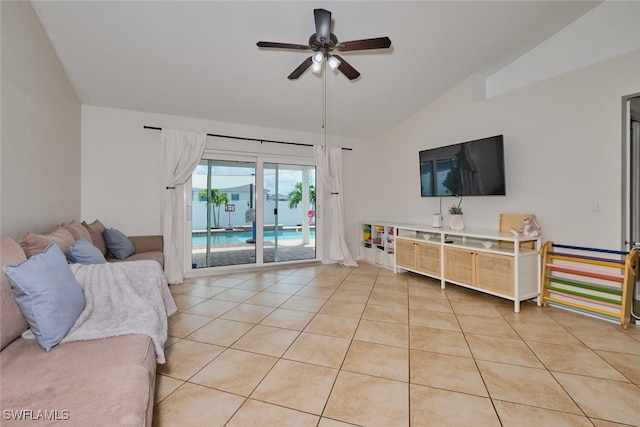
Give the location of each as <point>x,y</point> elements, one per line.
<point>472,168</point>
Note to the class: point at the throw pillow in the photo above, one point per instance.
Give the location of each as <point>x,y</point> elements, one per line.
<point>95,230</point>
<point>34,243</point>
<point>77,230</point>
<point>119,245</point>
<point>84,252</point>
<point>48,294</point>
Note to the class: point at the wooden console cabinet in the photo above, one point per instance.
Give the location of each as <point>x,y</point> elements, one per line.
<point>418,256</point>
<point>496,263</point>
<point>485,271</point>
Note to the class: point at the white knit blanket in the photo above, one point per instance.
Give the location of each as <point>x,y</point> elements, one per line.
<point>124,298</point>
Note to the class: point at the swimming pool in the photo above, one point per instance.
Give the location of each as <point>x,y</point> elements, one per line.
<point>224,237</point>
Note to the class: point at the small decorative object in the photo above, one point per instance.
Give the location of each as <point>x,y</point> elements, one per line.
<point>487,244</point>
<point>530,228</point>
<point>436,220</point>
<point>456,222</point>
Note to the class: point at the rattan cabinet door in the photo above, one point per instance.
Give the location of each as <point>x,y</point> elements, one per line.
<point>405,253</point>
<point>495,273</point>
<point>428,258</point>
<point>459,265</point>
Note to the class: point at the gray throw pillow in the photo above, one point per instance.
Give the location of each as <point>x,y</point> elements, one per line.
<point>118,244</point>
<point>83,252</point>
<point>49,296</point>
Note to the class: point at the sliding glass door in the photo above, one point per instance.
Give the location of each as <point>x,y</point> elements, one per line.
<point>289,212</point>
<point>252,211</point>
<point>223,206</point>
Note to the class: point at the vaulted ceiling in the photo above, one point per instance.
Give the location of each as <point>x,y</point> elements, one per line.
<point>199,59</point>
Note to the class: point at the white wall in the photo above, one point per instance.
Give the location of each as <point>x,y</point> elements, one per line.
<point>562,147</point>
<point>121,180</point>
<point>40,180</point>
<point>611,29</point>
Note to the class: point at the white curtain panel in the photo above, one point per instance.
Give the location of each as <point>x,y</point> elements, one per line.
<point>181,152</point>
<point>329,163</point>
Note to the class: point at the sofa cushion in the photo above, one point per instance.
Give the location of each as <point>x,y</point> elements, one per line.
<point>147,243</point>
<point>12,322</point>
<point>78,230</point>
<point>95,229</point>
<point>48,294</point>
<point>119,245</point>
<point>83,252</point>
<point>142,256</point>
<point>33,243</point>
<point>117,395</point>
<point>23,363</point>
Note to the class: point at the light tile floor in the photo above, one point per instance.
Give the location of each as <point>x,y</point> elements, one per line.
<point>332,346</point>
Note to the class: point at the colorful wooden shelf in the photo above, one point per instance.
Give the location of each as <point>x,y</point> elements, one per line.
<point>591,281</point>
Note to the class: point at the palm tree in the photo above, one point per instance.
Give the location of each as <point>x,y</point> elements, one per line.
<point>218,198</point>
<point>295,196</point>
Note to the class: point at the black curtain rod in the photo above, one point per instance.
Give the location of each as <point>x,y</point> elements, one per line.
<point>252,139</point>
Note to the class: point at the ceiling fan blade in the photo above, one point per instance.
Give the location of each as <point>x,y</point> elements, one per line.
<point>276,45</point>
<point>301,69</point>
<point>323,24</point>
<point>375,43</point>
<point>346,69</point>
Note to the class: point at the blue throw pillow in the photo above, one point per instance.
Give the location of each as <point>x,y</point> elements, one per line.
<point>48,294</point>
<point>118,244</point>
<point>83,252</point>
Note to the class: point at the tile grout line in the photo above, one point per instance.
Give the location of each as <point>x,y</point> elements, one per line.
<point>324,408</point>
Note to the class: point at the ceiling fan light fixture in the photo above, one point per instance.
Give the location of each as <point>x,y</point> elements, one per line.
<point>316,67</point>
<point>317,58</point>
<point>333,62</point>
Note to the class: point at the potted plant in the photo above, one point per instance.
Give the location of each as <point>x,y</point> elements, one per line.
<point>455,221</point>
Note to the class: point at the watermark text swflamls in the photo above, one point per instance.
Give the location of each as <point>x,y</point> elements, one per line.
<point>35,415</point>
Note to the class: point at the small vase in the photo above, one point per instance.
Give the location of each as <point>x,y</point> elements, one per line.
<point>456,222</point>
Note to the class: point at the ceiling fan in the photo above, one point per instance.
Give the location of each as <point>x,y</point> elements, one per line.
<point>322,43</point>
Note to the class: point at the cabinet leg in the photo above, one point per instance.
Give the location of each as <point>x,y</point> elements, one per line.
<point>516,306</point>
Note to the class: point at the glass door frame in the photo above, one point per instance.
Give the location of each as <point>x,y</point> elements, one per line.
<point>283,162</point>
<point>630,194</point>
<point>259,160</point>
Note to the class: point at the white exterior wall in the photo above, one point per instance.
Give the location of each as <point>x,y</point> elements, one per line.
<point>286,216</point>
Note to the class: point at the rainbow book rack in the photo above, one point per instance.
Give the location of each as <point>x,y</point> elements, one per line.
<point>595,282</point>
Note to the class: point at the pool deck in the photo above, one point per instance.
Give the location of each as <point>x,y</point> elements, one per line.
<point>224,254</point>
<point>245,253</point>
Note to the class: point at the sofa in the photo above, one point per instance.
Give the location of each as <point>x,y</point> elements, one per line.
<point>107,381</point>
